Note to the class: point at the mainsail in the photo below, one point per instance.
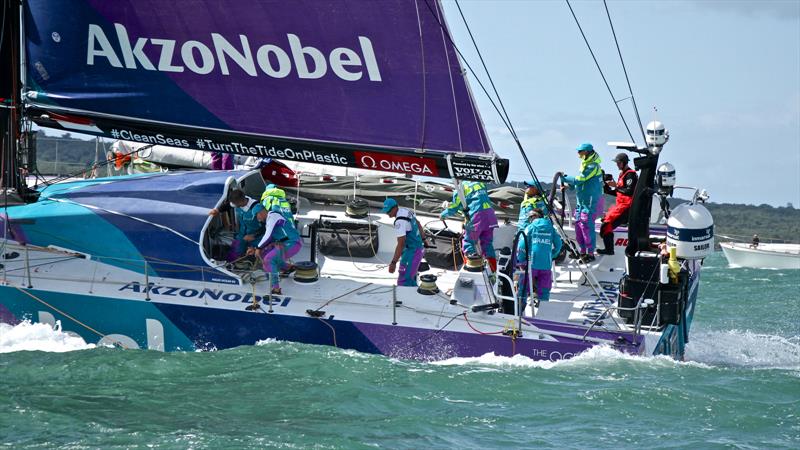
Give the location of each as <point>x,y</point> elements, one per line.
<point>354,83</point>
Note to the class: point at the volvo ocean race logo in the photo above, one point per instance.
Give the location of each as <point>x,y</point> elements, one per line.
<point>307,62</point>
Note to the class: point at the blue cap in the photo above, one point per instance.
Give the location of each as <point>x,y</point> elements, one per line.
<point>388,204</point>
<point>269,186</point>
<point>531,183</point>
<point>585,147</point>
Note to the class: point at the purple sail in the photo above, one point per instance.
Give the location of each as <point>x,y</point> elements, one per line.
<point>371,74</point>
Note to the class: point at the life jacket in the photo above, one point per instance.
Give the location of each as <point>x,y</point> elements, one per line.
<point>277,196</point>
<point>529,204</point>
<point>121,159</point>
<point>624,200</point>
<point>413,237</point>
<point>596,171</point>
<point>476,199</point>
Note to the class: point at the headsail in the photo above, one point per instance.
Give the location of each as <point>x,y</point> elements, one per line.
<point>342,82</point>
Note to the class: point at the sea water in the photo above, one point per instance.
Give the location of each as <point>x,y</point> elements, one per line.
<point>738,388</point>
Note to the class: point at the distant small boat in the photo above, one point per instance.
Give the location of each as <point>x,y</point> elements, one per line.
<point>764,256</point>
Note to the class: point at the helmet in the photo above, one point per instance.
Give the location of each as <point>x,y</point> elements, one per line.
<point>621,157</point>
<point>585,147</point>
<point>656,134</point>
<point>665,176</point>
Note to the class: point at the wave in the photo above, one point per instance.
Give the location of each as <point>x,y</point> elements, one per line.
<point>711,349</point>
<point>744,349</point>
<point>598,356</point>
<point>27,336</point>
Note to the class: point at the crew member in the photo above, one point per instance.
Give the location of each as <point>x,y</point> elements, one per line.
<point>533,199</point>
<point>617,214</point>
<point>410,238</point>
<point>250,229</point>
<point>543,245</point>
<point>275,196</point>
<point>221,161</point>
<point>588,185</point>
<point>755,242</point>
<point>481,219</point>
<point>281,241</point>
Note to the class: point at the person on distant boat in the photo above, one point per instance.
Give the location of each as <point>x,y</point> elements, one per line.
<point>755,242</point>
<point>481,220</point>
<point>533,199</point>
<point>618,214</point>
<point>250,229</point>
<point>588,185</point>
<point>543,245</point>
<point>275,196</point>
<point>221,161</point>
<point>410,239</point>
<point>281,241</point>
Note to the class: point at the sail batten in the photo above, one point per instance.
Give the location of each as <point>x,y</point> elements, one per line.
<point>354,73</point>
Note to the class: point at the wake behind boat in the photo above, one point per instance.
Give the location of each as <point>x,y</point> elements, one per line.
<point>137,261</point>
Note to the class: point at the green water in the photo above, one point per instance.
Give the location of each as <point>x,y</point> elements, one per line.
<point>740,388</point>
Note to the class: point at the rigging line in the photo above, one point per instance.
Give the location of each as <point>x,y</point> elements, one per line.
<point>504,118</point>
<point>477,79</point>
<point>616,105</point>
<point>486,92</point>
<point>3,25</point>
<point>435,332</point>
<point>157,225</point>
<point>450,74</point>
<point>333,330</point>
<point>99,164</point>
<point>624,70</point>
<point>551,210</point>
<point>341,296</point>
<point>424,80</point>
<point>475,113</point>
<point>64,314</point>
<point>485,69</point>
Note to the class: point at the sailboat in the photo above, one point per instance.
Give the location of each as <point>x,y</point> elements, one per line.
<point>137,262</point>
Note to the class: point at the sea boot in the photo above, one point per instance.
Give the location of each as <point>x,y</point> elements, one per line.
<point>608,242</point>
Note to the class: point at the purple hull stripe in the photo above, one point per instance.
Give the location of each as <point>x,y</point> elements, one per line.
<point>414,343</point>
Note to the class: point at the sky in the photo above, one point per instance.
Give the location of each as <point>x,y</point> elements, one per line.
<point>723,75</point>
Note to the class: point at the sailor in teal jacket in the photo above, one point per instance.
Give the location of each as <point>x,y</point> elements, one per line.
<point>249,229</point>
<point>410,243</point>
<point>281,241</point>
<point>588,186</point>
<point>481,219</point>
<point>543,245</point>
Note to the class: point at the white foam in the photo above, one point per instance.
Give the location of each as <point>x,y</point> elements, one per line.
<point>745,349</point>
<point>27,336</point>
<point>490,359</point>
<point>598,356</point>
<point>268,341</point>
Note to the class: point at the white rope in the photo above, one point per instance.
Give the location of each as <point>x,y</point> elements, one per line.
<point>157,225</point>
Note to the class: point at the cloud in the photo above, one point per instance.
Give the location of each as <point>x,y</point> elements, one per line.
<point>778,9</point>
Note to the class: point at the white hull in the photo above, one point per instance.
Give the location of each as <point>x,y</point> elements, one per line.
<point>766,256</point>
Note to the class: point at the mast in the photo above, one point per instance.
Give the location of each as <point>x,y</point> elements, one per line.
<point>10,179</point>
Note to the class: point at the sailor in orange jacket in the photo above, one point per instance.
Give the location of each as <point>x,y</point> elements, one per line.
<point>617,214</point>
